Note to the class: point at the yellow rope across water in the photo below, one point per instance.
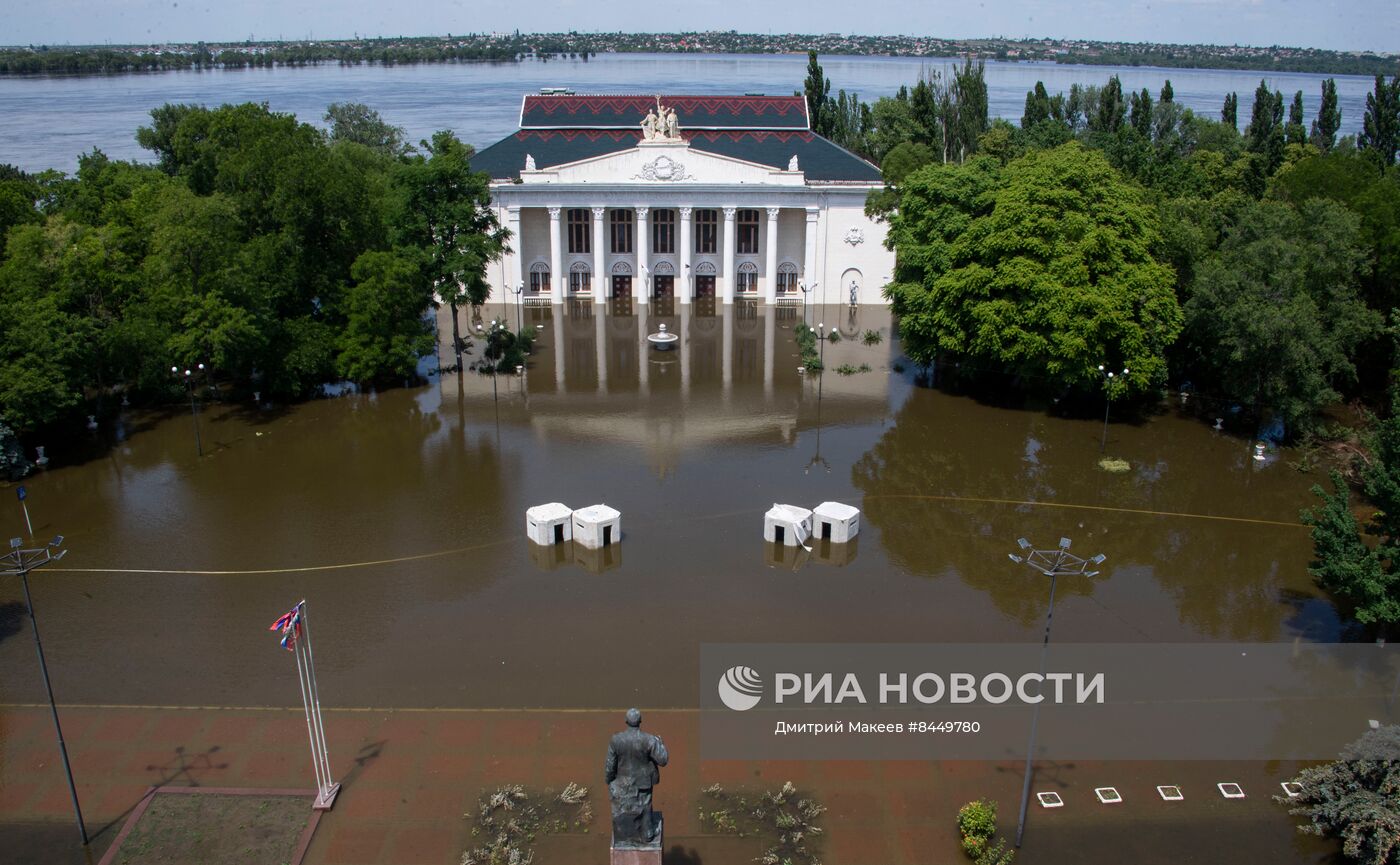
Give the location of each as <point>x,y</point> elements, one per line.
<point>459,550</point>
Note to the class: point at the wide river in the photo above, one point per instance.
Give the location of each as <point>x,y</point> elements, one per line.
<point>48,121</point>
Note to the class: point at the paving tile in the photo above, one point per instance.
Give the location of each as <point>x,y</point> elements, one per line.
<point>352,845</point>
<point>424,845</point>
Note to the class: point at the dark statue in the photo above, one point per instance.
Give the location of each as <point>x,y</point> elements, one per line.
<point>632,770</point>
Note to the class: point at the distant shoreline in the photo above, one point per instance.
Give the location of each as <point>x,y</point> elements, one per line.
<point>515,48</point>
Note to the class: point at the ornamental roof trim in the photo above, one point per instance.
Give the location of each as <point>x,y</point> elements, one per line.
<point>626,111</point>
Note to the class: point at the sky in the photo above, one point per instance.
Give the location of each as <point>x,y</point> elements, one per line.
<point>1345,25</point>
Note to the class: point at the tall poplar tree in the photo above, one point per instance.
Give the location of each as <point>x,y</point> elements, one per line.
<point>817,89</point>
<point>1329,117</point>
<point>1295,132</point>
<point>1229,112</point>
<point>1380,128</point>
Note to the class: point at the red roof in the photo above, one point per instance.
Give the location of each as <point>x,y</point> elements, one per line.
<point>692,112</point>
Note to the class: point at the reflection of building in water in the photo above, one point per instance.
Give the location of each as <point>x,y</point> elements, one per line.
<point>817,552</point>
<point>740,201</point>
<point>731,378</point>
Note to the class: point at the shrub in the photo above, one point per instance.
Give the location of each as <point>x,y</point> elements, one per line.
<point>977,824</point>
<point>872,337</point>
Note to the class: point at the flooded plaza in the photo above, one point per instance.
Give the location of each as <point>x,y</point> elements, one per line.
<point>399,516</point>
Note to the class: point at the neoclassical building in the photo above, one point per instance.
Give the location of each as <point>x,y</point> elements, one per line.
<point>682,197</point>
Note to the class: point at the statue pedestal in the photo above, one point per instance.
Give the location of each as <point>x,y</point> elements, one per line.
<point>648,855</point>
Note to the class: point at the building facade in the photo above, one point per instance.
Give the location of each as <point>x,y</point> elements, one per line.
<point>640,198</point>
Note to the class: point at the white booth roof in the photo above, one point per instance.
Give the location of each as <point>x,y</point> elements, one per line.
<point>597,514</point>
<point>837,510</point>
<point>550,512</point>
<point>789,513</point>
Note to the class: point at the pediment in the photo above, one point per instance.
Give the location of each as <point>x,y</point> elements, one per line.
<point>663,163</point>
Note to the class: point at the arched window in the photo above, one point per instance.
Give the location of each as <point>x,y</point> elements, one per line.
<point>748,278</point>
<point>705,268</point>
<point>580,238</point>
<point>663,231</point>
<point>706,231</point>
<point>539,277</point>
<point>621,268</point>
<point>580,278</point>
<point>665,268</point>
<point>787,278</point>
<point>747,243</point>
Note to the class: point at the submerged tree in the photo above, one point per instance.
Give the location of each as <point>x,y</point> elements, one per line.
<point>1043,267</point>
<point>1356,798</point>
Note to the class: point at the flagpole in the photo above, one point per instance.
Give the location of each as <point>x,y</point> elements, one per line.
<point>329,791</point>
<point>296,638</point>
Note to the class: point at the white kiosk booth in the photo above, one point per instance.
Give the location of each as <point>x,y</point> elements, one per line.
<point>788,525</point>
<point>836,522</point>
<point>549,524</point>
<point>597,526</point>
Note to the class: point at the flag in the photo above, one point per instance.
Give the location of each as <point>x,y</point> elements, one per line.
<point>289,624</point>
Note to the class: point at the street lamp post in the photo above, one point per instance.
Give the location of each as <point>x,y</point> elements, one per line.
<point>194,413</point>
<point>19,562</point>
<point>1108,377</point>
<point>1051,563</point>
<point>519,305</point>
<point>806,290</point>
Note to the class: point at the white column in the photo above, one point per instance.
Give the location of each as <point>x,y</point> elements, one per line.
<point>600,336</point>
<point>556,257</point>
<point>639,280</point>
<point>599,278</point>
<point>809,259</point>
<point>685,276</point>
<point>770,264</point>
<point>730,277</point>
<point>516,274</point>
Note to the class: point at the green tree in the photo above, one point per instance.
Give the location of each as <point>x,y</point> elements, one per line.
<point>1329,117</point>
<point>386,329</point>
<point>1043,267</point>
<point>1108,118</point>
<point>1356,798</point>
<point>358,123</point>
<point>1274,316</point>
<point>1295,132</point>
<point>1380,127</point>
<point>1229,113</point>
<point>1167,94</point>
<point>1264,135</point>
<point>1342,562</point>
<point>817,89</point>
<point>446,210</point>
<point>1141,116</point>
<point>1037,106</point>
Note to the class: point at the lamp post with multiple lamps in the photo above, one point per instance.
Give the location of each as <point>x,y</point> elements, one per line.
<point>1053,564</point>
<point>519,305</point>
<point>188,378</point>
<point>18,562</point>
<point>1108,377</point>
<point>806,290</point>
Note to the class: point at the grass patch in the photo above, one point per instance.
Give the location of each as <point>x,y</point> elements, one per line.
<point>509,819</point>
<point>851,369</point>
<point>216,829</point>
<point>872,337</point>
<point>1114,465</point>
<point>784,820</point>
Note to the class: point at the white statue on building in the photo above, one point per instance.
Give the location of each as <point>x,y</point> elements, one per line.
<point>792,163</point>
<point>529,162</point>
<point>650,126</point>
<point>673,128</point>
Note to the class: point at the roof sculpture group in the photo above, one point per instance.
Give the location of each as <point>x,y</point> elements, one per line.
<point>660,124</point>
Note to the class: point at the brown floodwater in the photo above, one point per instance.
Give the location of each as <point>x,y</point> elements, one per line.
<point>399,515</point>
<point>692,446</point>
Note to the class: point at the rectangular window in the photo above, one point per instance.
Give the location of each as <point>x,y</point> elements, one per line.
<point>620,221</point>
<point>787,282</point>
<point>707,231</point>
<point>748,281</point>
<point>539,280</point>
<point>580,237</point>
<point>748,232</point>
<point>663,231</point>
<point>578,281</point>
